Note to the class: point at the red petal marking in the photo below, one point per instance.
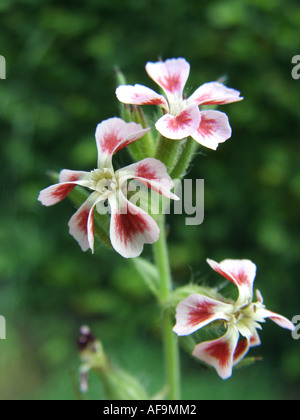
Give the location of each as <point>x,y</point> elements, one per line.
<point>255,340</point>
<point>109,143</point>
<point>219,351</point>
<point>62,191</point>
<point>128,225</point>
<point>207,126</point>
<point>240,277</point>
<point>82,220</point>
<point>156,101</point>
<point>145,171</point>
<point>200,313</point>
<point>182,120</point>
<point>72,177</point>
<point>92,222</point>
<point>240,349</point>
<point>171,83</point>
<point>206,99</point>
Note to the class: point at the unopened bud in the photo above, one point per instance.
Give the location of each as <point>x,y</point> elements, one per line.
<point>118,384</point>
<point>86,339</point>
<point>92,356</point>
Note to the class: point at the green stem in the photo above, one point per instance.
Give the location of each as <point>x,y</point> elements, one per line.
<point>168,152</point>
<point>188,151</point>
<point>171,348</point>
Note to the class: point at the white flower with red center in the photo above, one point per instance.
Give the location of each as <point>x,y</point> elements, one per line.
<point>241,318</point>
<point>130,226</point>
<point>183,118</point>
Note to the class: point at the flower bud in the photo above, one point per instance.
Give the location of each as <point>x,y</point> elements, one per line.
<point>117,383</point>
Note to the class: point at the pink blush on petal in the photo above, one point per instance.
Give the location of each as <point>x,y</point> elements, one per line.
<point>182,120</point>
<point>220,351</point>
<point>200,313</point>
<point>82,220</point>
<point>145,171</point>
<point>129,225</point>
<point>62,191</point>
<point>172,83</point>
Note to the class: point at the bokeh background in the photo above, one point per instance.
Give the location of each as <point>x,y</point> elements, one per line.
<point>60,84</point>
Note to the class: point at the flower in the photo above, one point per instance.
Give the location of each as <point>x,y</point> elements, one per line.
<point>183,117</point>
<point>240,318</point>
<point>130,226</point>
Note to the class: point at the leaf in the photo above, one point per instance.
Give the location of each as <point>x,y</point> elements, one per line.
<point>148,273</point>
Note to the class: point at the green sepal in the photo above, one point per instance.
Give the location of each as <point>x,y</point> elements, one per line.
<point>181,293</point>
<point>144,147</point>
<point>248,361</point>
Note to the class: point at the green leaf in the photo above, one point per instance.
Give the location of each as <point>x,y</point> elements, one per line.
<point>148,273</point>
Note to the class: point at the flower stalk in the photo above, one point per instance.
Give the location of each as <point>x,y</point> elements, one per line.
<point>188,150</point>
<point>171,347</point>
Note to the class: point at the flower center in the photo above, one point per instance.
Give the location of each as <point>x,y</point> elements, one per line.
<point>177,106</point>
<point>246,318</point>
<point>104,181</point>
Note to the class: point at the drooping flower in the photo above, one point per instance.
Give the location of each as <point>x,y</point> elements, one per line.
<point>130,226</point>
<point>241,318</point>
<point>183,118</point>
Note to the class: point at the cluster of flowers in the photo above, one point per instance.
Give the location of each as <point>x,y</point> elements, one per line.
<point>131,227</point>
<point>242,317</point>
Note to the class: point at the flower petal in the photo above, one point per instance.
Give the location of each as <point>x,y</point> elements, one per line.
<point>68,181</point>
<point>241,350</point>
<point>113,135</point>
<point>240,272</point>
<point>214,128</point>
<point>66,175</point>
<point>153,173</point>
<point>278,319</point>
<point>219,353</point>
<point>255,340</point>
<point>214,93</point>
<point>130,228</point>
<point>171,75</point>
<point>140,95</point>
<point>196,311</point>
<point>180,126</point>
<point>81,223</point>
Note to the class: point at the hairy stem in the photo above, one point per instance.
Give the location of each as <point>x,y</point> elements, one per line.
<point>168,152</point>
<point>171,348</point>
<point>188,151</point>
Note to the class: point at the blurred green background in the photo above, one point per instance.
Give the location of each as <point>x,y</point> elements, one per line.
<point>60,85</point>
